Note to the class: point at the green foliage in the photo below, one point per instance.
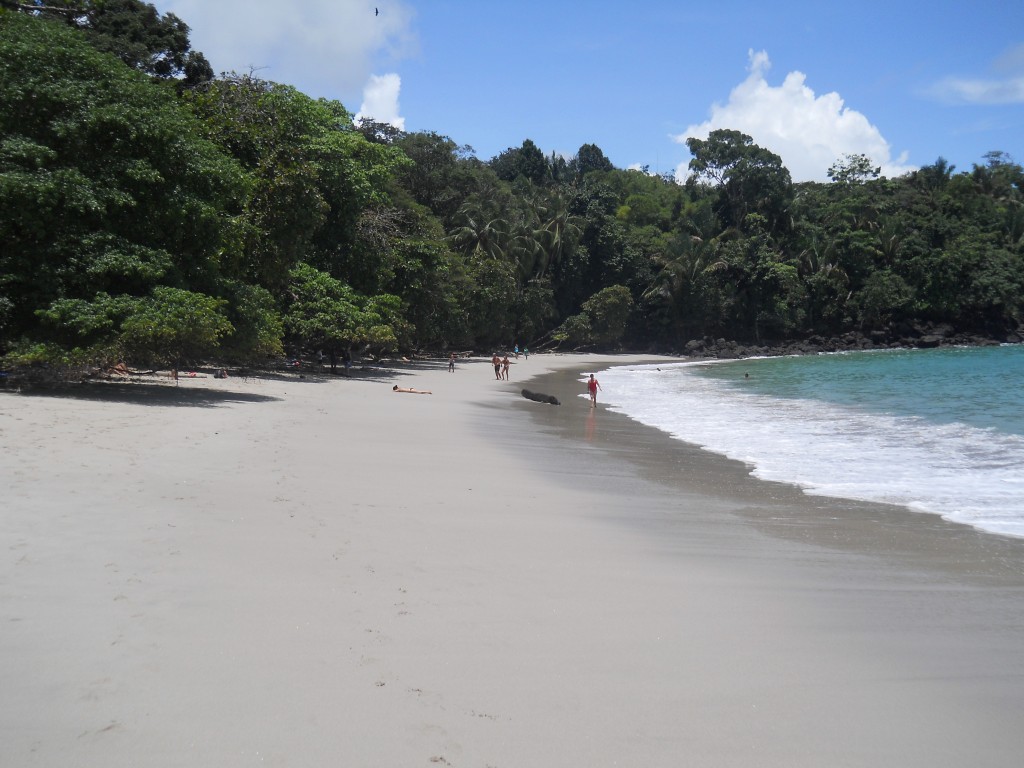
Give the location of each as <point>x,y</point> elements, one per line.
<point>750,179</point>
<point>171,326</point>
<point>107,188</point>
<point>609,310</point>
<point>526,161</point>
<point>603,320</point>
<point>853,169</point>
<point>233,217</point>
<point>882,299</point>
<point>133,31</point>
<point>324,312</point>
<point>314,174</point>
<point>589,158</point>
<point>492,299</point>
<point>431,281</point>
<point>441,174</point>
<point>535,309</point>
<point>258,328</point>
<point>575,331</point>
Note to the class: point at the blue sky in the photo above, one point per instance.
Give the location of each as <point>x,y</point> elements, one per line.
<point>903,82</point>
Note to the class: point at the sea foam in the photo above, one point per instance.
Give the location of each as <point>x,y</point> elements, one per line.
<point>967,474</point>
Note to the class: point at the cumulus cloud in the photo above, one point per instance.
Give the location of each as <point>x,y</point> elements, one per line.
<point>325,48</point>
<point>380,100</point>
<point>1006,87</point>
<point>807,131</point>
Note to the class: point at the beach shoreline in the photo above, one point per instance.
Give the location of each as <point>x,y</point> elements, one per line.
<point>323,571</point>
<point>781,509</point>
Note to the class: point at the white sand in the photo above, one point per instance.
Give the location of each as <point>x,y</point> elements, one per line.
<point>323,572</point>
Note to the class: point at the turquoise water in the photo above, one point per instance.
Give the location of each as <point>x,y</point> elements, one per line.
<point>983,387</point>
<point>938,431</point>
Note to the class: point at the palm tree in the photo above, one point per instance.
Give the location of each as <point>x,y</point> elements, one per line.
<point>559,228</point>
<point>827,283</point>
<point>480,235</point>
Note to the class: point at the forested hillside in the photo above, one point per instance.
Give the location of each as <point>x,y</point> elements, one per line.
<point>154,214</point>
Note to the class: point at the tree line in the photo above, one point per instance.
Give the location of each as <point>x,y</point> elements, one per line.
<point>153,213</point>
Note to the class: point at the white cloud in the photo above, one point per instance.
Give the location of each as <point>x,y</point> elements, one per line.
<point>325,48</point>
<point>967,91</point>
<point>1008,88</point>
<point>808,132</point>
<point>380,100</point>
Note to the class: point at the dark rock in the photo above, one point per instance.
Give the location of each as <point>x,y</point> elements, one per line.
<point>540,397</point>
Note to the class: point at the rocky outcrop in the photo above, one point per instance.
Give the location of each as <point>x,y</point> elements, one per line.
<point>905,336</point>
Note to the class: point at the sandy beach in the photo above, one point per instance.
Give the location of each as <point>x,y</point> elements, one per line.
<point>320,571</point>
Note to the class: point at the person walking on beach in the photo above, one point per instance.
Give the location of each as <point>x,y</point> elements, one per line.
<point>451,363</point>
<point>496,362</point>
<point>526,352</point>
<point>593,386</point>
<point>504,368</point>
<point>516,351</point>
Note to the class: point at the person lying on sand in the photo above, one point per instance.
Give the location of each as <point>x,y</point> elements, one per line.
<point>397,388</point>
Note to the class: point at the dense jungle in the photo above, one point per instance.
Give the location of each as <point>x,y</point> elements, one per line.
<point>156,214</point>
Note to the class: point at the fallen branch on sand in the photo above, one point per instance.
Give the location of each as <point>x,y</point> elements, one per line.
<point>540,397</point>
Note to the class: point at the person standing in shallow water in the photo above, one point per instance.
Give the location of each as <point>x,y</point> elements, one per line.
<point>451,363</point>
<point>496,362</point>
<point>593,386</point>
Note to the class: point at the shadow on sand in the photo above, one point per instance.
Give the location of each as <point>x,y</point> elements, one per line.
<point>161,395</point>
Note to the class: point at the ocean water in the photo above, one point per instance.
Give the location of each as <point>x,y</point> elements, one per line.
<point>938,431</point>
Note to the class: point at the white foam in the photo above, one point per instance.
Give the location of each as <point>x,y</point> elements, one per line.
<point>966,474</point>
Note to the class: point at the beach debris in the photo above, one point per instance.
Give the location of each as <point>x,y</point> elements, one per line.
<point>540,397</point>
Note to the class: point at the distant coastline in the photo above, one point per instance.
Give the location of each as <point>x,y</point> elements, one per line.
<point>917,337</point>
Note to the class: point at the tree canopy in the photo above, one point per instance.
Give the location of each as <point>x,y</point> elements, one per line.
<point>234,218</point>
<point>107,190</point>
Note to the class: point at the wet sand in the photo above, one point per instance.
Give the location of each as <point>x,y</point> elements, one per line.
<point>325,572</point>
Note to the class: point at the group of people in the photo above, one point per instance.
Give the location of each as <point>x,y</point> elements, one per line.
<point>501,366</point>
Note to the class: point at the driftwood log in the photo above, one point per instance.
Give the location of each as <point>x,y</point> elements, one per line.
<point>540,397</point>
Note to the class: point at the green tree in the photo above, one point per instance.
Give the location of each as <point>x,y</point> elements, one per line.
<point>441,174</point>
<point>491,302</point>
<point>853,169</point>
<point>589,157</point>
<point>882,299</point>
<point>526,161</point>
<point>325,313</point>
<point>761,287</point>
<point>107,192</point>
<point>133,31</point>
<point>315,174</point>
<point>609,310</point>
<point>481,236</point>
<point>750,179</point>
